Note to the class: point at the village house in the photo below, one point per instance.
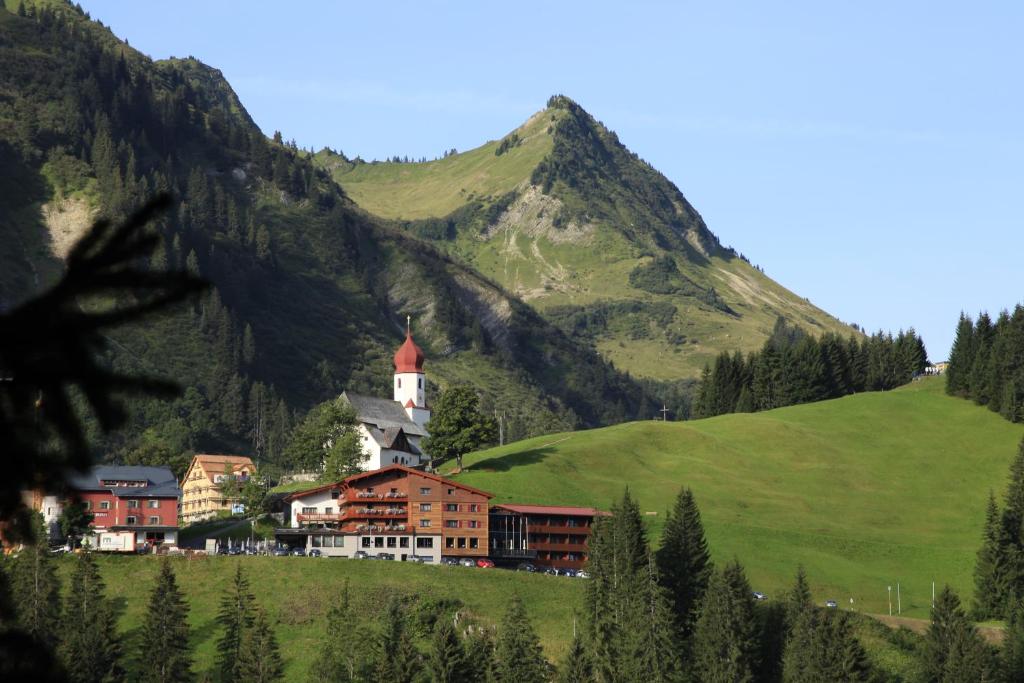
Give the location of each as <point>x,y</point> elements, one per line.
<point>391,429</point>
<point>203,486</point>
<point>132,506</point>
<point>395,511</point>
<point>546,535</point>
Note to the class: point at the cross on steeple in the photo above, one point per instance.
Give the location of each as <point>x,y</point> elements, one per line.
<point>408,325</point>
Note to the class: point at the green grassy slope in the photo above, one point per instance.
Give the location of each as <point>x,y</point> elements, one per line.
<point>865,491</point>
<point>562,219</point>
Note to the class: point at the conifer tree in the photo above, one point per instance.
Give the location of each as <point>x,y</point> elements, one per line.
<point>337,661</point>
<point>260,660</point>
<point>446,660</point>
<point>235,617</point>
<point>684,562</point>
<point>822,647</point>
<point>650,650</point>
<point>518,655</point>
<point>949,632</point>
<point>576,666</point>
<point>394,656</point>
<point>725,639</point>
<point>1012,655</point>
<point>479,657</point>
<point>36,590</point>
<point>164,652</point>
<point>969,659</point>
<point>992,575</point>
<point>89,647</point>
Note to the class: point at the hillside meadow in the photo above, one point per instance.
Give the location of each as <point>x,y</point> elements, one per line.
<point>867,491</point>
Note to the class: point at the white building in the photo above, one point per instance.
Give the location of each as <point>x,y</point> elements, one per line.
<point>391,430</point>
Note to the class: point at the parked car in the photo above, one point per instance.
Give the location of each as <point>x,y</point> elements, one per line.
<point>450,561</point>
<point>280,551</point>
<point>361,555</point>
<point>760,596</point>
<point>467,562</point>
<point>236,550</point>
<point>569,572</point>
<point>552,571</point>
<point>526,567</point>
<point>299,552</point>
<point>420,559</point>
<point>582,574</point>
<point>315,552</point>
<point>485,563</point>
<point>385,556</point>
<point>831,603</point>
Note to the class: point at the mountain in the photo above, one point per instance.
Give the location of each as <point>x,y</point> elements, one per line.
<point>560,213</point>
<point>310,292</point>
<point>858,489</point>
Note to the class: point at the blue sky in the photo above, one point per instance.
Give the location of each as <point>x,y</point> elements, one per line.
<point>867,155</point>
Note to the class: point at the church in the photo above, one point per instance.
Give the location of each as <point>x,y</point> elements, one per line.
<point>391,430</point>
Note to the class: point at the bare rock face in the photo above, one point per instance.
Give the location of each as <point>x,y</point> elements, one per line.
<point>67,220</point>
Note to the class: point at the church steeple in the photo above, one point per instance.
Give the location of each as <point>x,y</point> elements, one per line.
<point>410,383</point>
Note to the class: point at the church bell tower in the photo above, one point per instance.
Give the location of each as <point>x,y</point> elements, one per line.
<point>410,382</point>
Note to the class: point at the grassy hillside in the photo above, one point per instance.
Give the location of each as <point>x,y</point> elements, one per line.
<point>865,491</point>
<point>570,220</point>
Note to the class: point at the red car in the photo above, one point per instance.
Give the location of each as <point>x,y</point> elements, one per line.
<point>485,563</point>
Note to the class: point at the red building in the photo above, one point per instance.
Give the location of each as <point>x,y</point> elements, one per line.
<point>131,506</point>
<point>547,535</point>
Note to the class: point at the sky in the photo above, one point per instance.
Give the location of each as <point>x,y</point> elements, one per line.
<point>869,156</point>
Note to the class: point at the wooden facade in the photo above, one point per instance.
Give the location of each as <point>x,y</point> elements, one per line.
<point>548,536</point>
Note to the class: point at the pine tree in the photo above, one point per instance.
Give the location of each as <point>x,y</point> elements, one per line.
<point>991,573</point>
<point>36,590</point>
<point>446,660</point>
<point>260,660</point>
<point>949,632</point>
<point>235,617</point>
<point>822,647</point>
<point>969,659</point>
<point>650,650</point>
<point>163,652</point>
<point>576,666</point>
<point>337,661</point>
<point>1012,655</point>
<point>394,656</point>
<point>725,639</point>
<point>518,655</point>
<point>684,562</point>
<point>479,657</point>
<point>89,647</point>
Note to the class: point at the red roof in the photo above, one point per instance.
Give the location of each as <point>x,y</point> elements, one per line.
<point>389,468</point>
<point>551,510</point>
<point>410,404</point>
<point>409,357</point>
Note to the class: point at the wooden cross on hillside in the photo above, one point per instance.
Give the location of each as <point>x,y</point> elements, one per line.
<point>664,412</point>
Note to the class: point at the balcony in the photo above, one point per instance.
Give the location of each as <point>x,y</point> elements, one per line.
<point>375,512</point>
<point>559,547</point>
<point>545,529</point>
<point>319,517</point>
<point>513,553</point>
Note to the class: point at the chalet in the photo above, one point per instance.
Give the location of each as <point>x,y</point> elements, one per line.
<point>203,486</point>
<point>546,535</point>
<point>395,510</point>
<point>131,506</point>
<point>391,429</point>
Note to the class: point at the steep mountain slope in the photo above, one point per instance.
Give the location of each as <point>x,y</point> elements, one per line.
<point>560,213</point>
<point>864,491</point>
<point>310,292</point>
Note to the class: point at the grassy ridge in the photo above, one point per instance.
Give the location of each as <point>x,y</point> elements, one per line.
<point>865,491</point>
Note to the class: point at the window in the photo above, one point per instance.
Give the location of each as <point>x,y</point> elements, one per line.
<point>130,520</point>
<point>104,505</point>
<point>399,380</point>
<point>424,543</point>
<point>378,541</point>
<point>473,507</point>
<point>366,541</point>
<point>88,505</point>
<point>334,494</point>
<point>133,504</point>
<point>451,491</point>
<point>474,524</point>
<point>317,541</point>
<point>154,519</point>
<point>403,542</point>
<point>462,543</point>
<point>448,542</point>
<point>424,507</point>
<point>419,382</point>
<point>328,510</point>
<point>309,511</point>
<point>424,523</point>
<point>451,523</point>
<point>473,543</point>
<point>392,542</point>
<point>339,541</point>
<point>424,490</point>
<point>153,504</point>
<point>451,507</point>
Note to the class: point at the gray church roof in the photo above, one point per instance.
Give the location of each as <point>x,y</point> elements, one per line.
<point>160,481</point>
<point>382,413</point>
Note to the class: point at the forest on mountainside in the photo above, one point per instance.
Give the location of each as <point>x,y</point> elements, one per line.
<point>986,363</point>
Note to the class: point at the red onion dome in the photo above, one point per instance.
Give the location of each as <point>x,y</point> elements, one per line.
<point>409,357</point>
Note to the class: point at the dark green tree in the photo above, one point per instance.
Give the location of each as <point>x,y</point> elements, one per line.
<point>89,645</point>
<point>479,656</point>
<point>650,646</point>
<point>576,665</point>
<point>725,644</point>
<point>823,647</point>
<point>164,654</point>
<point>260,660</point>
<point>235,617</point>
<point>518,655</point>
<point>684,562</point>
<point>950,644</point>
<point>969,659</point>
<point>327,440</point>
<point>36,590</point>
<point>457,426</point>
<point>993,569</point>
<point>446,661</point>
<point>338,660</point>
<point>395,658</point>
<point>74,520</point>
<point>1012,655</point>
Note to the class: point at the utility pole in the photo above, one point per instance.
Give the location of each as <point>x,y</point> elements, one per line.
<point>890,600</point>
<point>500,417</point>
<point>899,603</point>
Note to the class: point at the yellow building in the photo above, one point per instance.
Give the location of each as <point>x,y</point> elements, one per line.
<point>201,489</point>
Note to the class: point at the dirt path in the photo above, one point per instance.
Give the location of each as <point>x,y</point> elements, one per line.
<point>993,634</point>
